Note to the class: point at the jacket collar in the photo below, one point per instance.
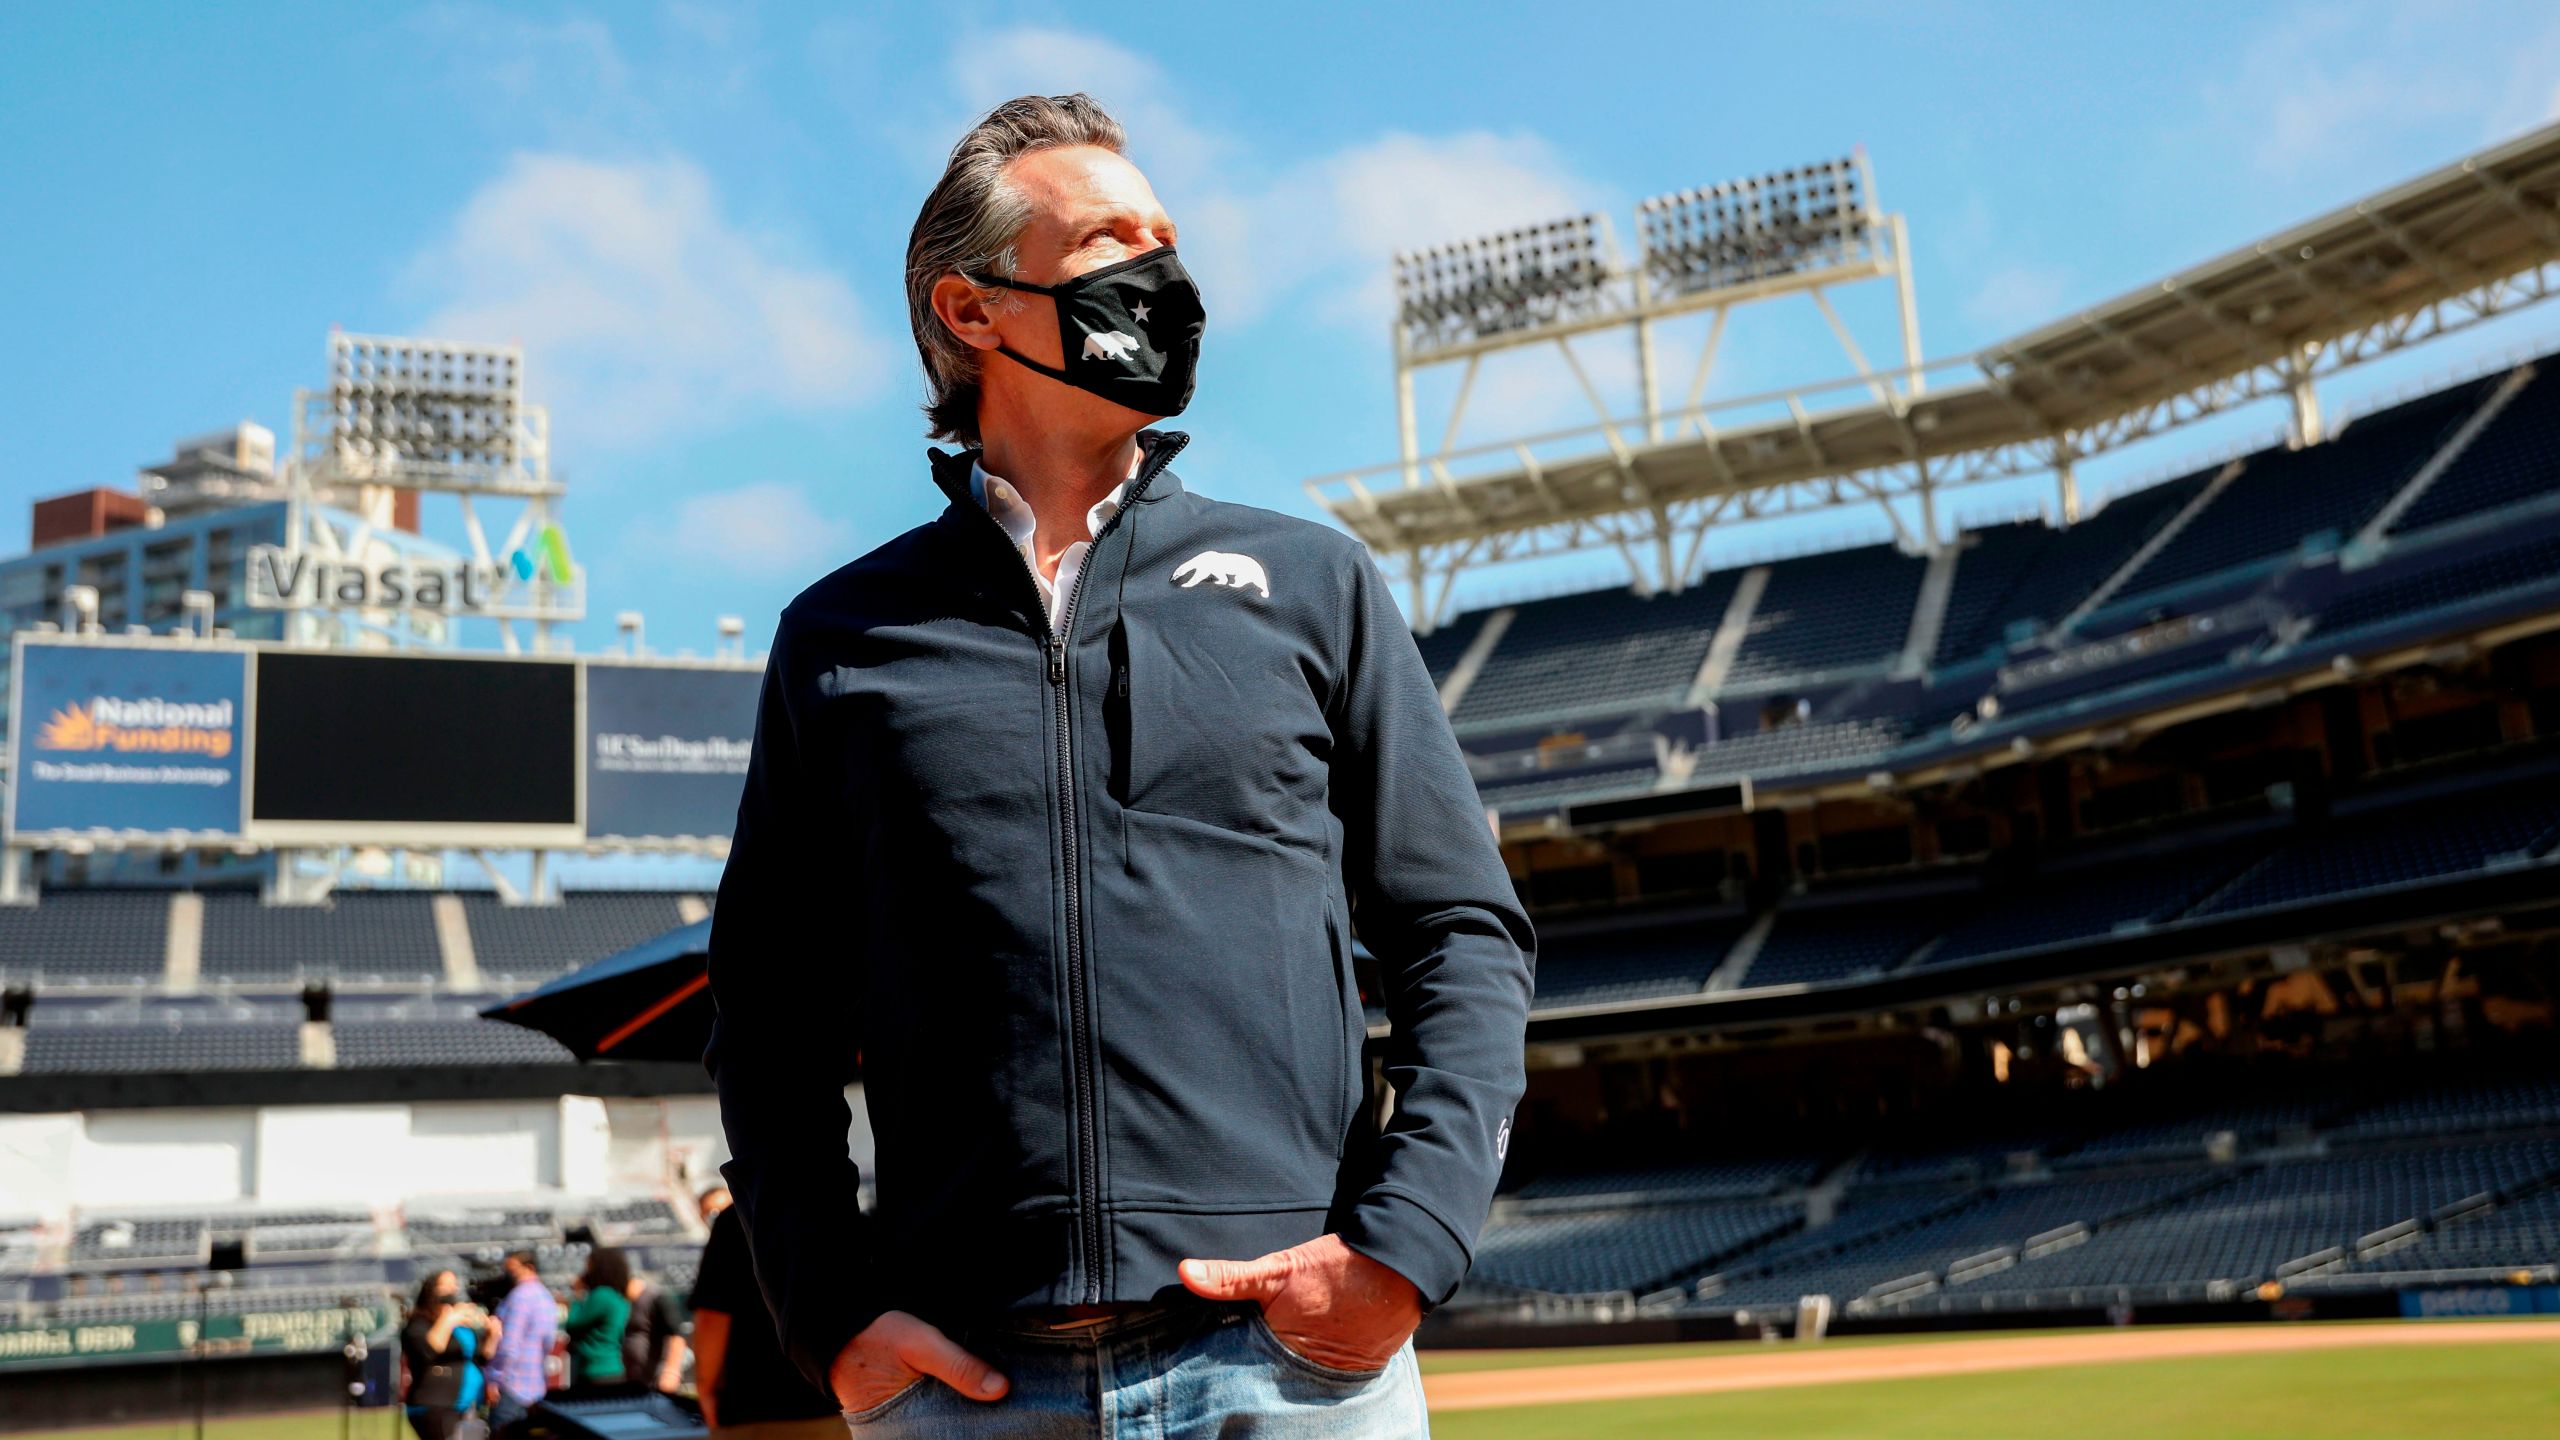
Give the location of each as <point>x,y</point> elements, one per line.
<point>951,468</point>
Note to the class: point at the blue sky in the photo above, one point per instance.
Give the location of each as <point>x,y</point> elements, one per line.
<point>693,216</point>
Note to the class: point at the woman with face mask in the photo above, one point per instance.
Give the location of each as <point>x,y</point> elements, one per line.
<point>438,1344</point>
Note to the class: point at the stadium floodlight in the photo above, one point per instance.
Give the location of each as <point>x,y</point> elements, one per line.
<point>395,403</point>
<point>634,630</point>
<point>1503,284</point>
<point>1787,222</point>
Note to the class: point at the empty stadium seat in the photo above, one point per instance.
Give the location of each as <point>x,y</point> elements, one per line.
<point>1823,614</point>
<point>2423,839</point>
<point>2092,901</point>
<point>1596,653</point>
<point>75,935</point>
<point>2050,579</point>
<point>2511,459</point>
<point>522,945</point>
<point>2439,582</point>
<point>1990,565</point>
<point>1442,648</point>
<point>1625,1249</point>
<point>2281,496</point>
<point>434,1043</point>
<point>1641,964</point>
<point>1827,944</point>
<point>162,1049</point>
<point>353,935</point>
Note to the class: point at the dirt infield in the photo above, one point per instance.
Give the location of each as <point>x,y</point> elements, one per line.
<point>1744,1367</point>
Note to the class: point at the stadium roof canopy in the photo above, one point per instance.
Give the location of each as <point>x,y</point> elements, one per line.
<point>2451,248</point>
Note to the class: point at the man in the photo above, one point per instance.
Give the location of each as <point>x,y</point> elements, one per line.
<point>711,1202</point>
<point>748,1388</point>
<point>528,1318</point>
<point>1057,810</point>
<point>653,1343</point>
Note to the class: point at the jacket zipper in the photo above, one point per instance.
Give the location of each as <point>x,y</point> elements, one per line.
<point>1053,647</point>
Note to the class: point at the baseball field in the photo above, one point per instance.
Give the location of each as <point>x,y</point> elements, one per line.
<point>2484,1380</point>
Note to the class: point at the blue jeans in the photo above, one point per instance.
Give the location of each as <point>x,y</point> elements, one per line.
<point>1205,1371</point>
<point>505,1410</point>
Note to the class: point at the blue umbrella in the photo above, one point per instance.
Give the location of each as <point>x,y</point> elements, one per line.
<point>650,1002</point>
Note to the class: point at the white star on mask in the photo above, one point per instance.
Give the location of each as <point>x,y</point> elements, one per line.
<point>1139,314</point>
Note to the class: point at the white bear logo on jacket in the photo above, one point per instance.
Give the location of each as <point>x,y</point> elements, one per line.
<point>1225,567</point>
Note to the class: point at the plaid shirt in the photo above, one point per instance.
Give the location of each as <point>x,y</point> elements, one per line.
<point>528,1317</point>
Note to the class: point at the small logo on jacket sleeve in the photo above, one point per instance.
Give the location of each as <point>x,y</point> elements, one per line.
<point>1502,1139</point>
<point>1226,568</point>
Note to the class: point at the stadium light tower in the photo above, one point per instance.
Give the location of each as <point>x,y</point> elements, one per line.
<point>406,416</point>
<point>1703,251</point>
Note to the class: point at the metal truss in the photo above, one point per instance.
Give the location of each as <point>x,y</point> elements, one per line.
<point>1662,541</point>
<point>2452,249</point>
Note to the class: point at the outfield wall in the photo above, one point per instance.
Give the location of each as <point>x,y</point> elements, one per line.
<point>375,1154</point>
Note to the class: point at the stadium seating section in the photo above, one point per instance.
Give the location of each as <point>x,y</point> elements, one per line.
<point>141,1266</point>
<point>2434,1173</point>
<point>2272,547</point>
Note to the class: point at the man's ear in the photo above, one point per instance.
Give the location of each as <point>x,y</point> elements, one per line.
<point>963,310</point>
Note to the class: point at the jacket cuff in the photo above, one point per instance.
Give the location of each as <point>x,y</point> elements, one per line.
<point>1403,1235</point>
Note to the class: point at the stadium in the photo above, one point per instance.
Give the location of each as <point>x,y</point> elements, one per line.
<point>2136,918</point>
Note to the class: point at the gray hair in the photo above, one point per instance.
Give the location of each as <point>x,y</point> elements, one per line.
<point>969,225</point>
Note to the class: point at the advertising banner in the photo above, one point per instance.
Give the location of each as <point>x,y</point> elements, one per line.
<point>667,749</point>
<point>256,1332</point>
<point>2468,1302</point>
<point>127,739</point>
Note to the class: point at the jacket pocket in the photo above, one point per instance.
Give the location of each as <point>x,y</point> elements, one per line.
<point>1218,723</point>
<point>1115,713</point>
<point>1349,1029</point>
<point>1220,1020</point>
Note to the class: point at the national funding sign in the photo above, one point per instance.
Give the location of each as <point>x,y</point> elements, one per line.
<point>110,739</point>
<point>667,749</point>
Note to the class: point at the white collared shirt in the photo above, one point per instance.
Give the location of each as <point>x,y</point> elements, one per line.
<point>1014,513</point>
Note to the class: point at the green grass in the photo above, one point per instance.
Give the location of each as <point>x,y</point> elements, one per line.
<point>369,1425</point>
<point>1451,1362</point>
<point>2495,1390</point>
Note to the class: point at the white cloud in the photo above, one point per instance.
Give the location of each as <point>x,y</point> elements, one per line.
<point>2016,296</point>
<point>990,68</point>
<point>643,309</point>
<point>2322,86</point>
<point>1324,227</point>
<point>1408,192</point>
<point>765,526</point>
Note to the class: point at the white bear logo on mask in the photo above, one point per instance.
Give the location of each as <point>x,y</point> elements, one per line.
<point>1109,345</point>
<point>1228,569</point>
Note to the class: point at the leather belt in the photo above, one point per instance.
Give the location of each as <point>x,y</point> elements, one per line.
<point>1079,1317</point>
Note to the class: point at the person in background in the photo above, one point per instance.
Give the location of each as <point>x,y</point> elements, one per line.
<point>443,1334</point>
<point>529,1319</point>
<point>711,1203</point>
<point>749,1389</point>
<point>653,1344</point>
<point>597,1317</point>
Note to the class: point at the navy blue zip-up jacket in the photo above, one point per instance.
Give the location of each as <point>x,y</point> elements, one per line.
<point>1079,908</point>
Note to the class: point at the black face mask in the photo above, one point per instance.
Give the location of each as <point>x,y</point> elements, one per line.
<point>1130,331</point>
